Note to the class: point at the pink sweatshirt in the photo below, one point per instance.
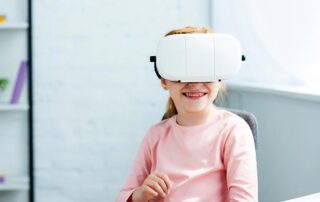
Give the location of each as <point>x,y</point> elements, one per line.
<point>210,162</point>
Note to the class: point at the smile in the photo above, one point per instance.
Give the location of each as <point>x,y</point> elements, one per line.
<point>194,95</point>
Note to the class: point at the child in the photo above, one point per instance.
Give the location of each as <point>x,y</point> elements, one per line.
<point>199,154</point>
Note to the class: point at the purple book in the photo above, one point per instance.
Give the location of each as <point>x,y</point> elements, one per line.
<point>22,75</point>
<point>2,179</point>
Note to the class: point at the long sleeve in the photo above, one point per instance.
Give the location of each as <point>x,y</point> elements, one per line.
<point>241,166</point>
<point>140,170</point>
<point>214,160</point>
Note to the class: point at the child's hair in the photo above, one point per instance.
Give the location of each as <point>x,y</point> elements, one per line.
<point>171,108</point>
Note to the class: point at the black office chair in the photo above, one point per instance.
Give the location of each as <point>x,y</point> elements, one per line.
<point>248,117</point>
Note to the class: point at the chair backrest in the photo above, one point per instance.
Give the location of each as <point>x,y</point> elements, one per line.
<point>248,117</point>
<point>251,120</point>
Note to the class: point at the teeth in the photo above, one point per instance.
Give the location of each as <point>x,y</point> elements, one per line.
<point>194,94</point>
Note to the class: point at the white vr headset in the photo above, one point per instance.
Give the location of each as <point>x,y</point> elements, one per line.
<point>197,57</point>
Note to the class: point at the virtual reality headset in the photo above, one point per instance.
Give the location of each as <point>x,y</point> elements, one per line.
<point>197,57</point>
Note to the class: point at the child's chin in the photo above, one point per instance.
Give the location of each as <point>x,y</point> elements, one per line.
<point>196,109</point>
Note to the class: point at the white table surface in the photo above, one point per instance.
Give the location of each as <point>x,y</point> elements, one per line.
<point>309,198</point>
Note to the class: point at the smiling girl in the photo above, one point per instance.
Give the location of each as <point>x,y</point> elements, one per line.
<point>200,153</point>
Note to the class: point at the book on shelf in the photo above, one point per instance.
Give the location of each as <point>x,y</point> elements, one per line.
<point>2,177</point>
<point>20,81</point>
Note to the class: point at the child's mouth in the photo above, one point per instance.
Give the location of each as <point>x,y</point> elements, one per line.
<point>194,95</point>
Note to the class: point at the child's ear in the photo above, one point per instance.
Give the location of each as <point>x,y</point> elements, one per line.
<point>164,84</point>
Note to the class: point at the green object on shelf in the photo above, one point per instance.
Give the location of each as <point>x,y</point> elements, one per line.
<point>3,83</point>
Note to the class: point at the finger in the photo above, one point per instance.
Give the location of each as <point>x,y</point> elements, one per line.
<point>149,191</point>
<point>166,179</point>
<point>161,182</point>
<point>155,186</point>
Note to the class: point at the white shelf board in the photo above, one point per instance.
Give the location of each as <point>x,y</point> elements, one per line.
<point>15,184</point>
<point>14,107</point>
<point>14,25</point>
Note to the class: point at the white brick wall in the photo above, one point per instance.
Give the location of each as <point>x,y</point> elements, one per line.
<point>95,91</point>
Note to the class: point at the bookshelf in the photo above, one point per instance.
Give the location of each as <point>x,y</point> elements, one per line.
<point>14,25</point>
<point>15,107</point>
<point>13,184</point>
<point>16,117</point>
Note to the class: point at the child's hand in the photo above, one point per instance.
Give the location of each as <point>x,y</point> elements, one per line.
<point>156,184</point>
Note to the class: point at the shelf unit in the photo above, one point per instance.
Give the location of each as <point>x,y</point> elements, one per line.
<point>16,107</point>
<point>21,183</point>
<point>14,25</point>
<point>16,120</point>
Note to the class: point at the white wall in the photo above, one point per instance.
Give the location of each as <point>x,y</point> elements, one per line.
<point>279,38</point>
<point>288,140</point>
<point>280,41</point>
<point>95,90</point>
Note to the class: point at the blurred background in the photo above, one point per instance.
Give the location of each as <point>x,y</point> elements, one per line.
<point>95,92</point>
